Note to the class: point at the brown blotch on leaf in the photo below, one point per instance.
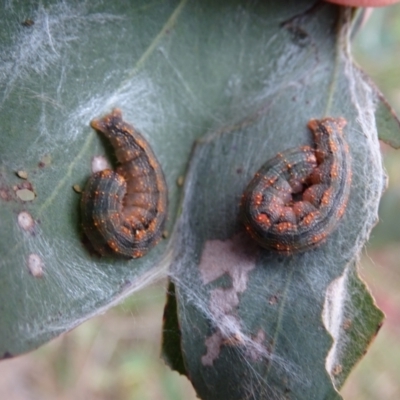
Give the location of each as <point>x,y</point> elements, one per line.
<point>28,23</point>
<point>26,222</point>
<point>35,265</point>
<point>337,369</point>
<point>273,300</point>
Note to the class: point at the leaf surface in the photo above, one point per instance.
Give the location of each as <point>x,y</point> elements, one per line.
<point>254,324</point>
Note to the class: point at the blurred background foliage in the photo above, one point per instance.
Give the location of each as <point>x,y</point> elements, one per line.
<point>116,356</point>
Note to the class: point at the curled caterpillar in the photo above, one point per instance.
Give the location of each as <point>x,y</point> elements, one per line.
<point>297,198</point>
<point>124,211</point>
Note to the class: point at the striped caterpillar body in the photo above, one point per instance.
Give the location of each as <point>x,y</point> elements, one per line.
<point>124,211</point>
<point>297,198</point>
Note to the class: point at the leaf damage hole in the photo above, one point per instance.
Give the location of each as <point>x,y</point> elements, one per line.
<point>235,257</point>
<point>333,317</point>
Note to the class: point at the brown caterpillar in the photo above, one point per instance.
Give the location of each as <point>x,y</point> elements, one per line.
<point>297,198</point>
<point>124,211</point>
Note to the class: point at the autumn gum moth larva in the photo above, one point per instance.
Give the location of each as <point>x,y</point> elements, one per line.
<point>124,211</point>
<point>297,198</point>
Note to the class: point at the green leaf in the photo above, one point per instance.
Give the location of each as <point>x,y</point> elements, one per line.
<point>254,324</point>
<point>353,323</point>
<point>240,78</point>
<point>74,63</point>
<point>171,334</point>
<point>63,64</point>
<point>387,121</point>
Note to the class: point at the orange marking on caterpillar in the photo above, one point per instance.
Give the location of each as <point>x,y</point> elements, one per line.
<point>317,190</point>
<point>113,219</point>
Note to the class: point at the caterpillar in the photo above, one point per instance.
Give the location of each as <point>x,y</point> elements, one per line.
<point>124,211</point>
<point>296,199</point>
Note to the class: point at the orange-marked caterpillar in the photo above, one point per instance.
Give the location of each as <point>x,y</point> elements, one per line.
<point>124,211</point>
<point>297,198</point>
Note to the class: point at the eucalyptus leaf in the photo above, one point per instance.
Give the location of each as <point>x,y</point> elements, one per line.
<point>252,323</point>
<point>240,80</point>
